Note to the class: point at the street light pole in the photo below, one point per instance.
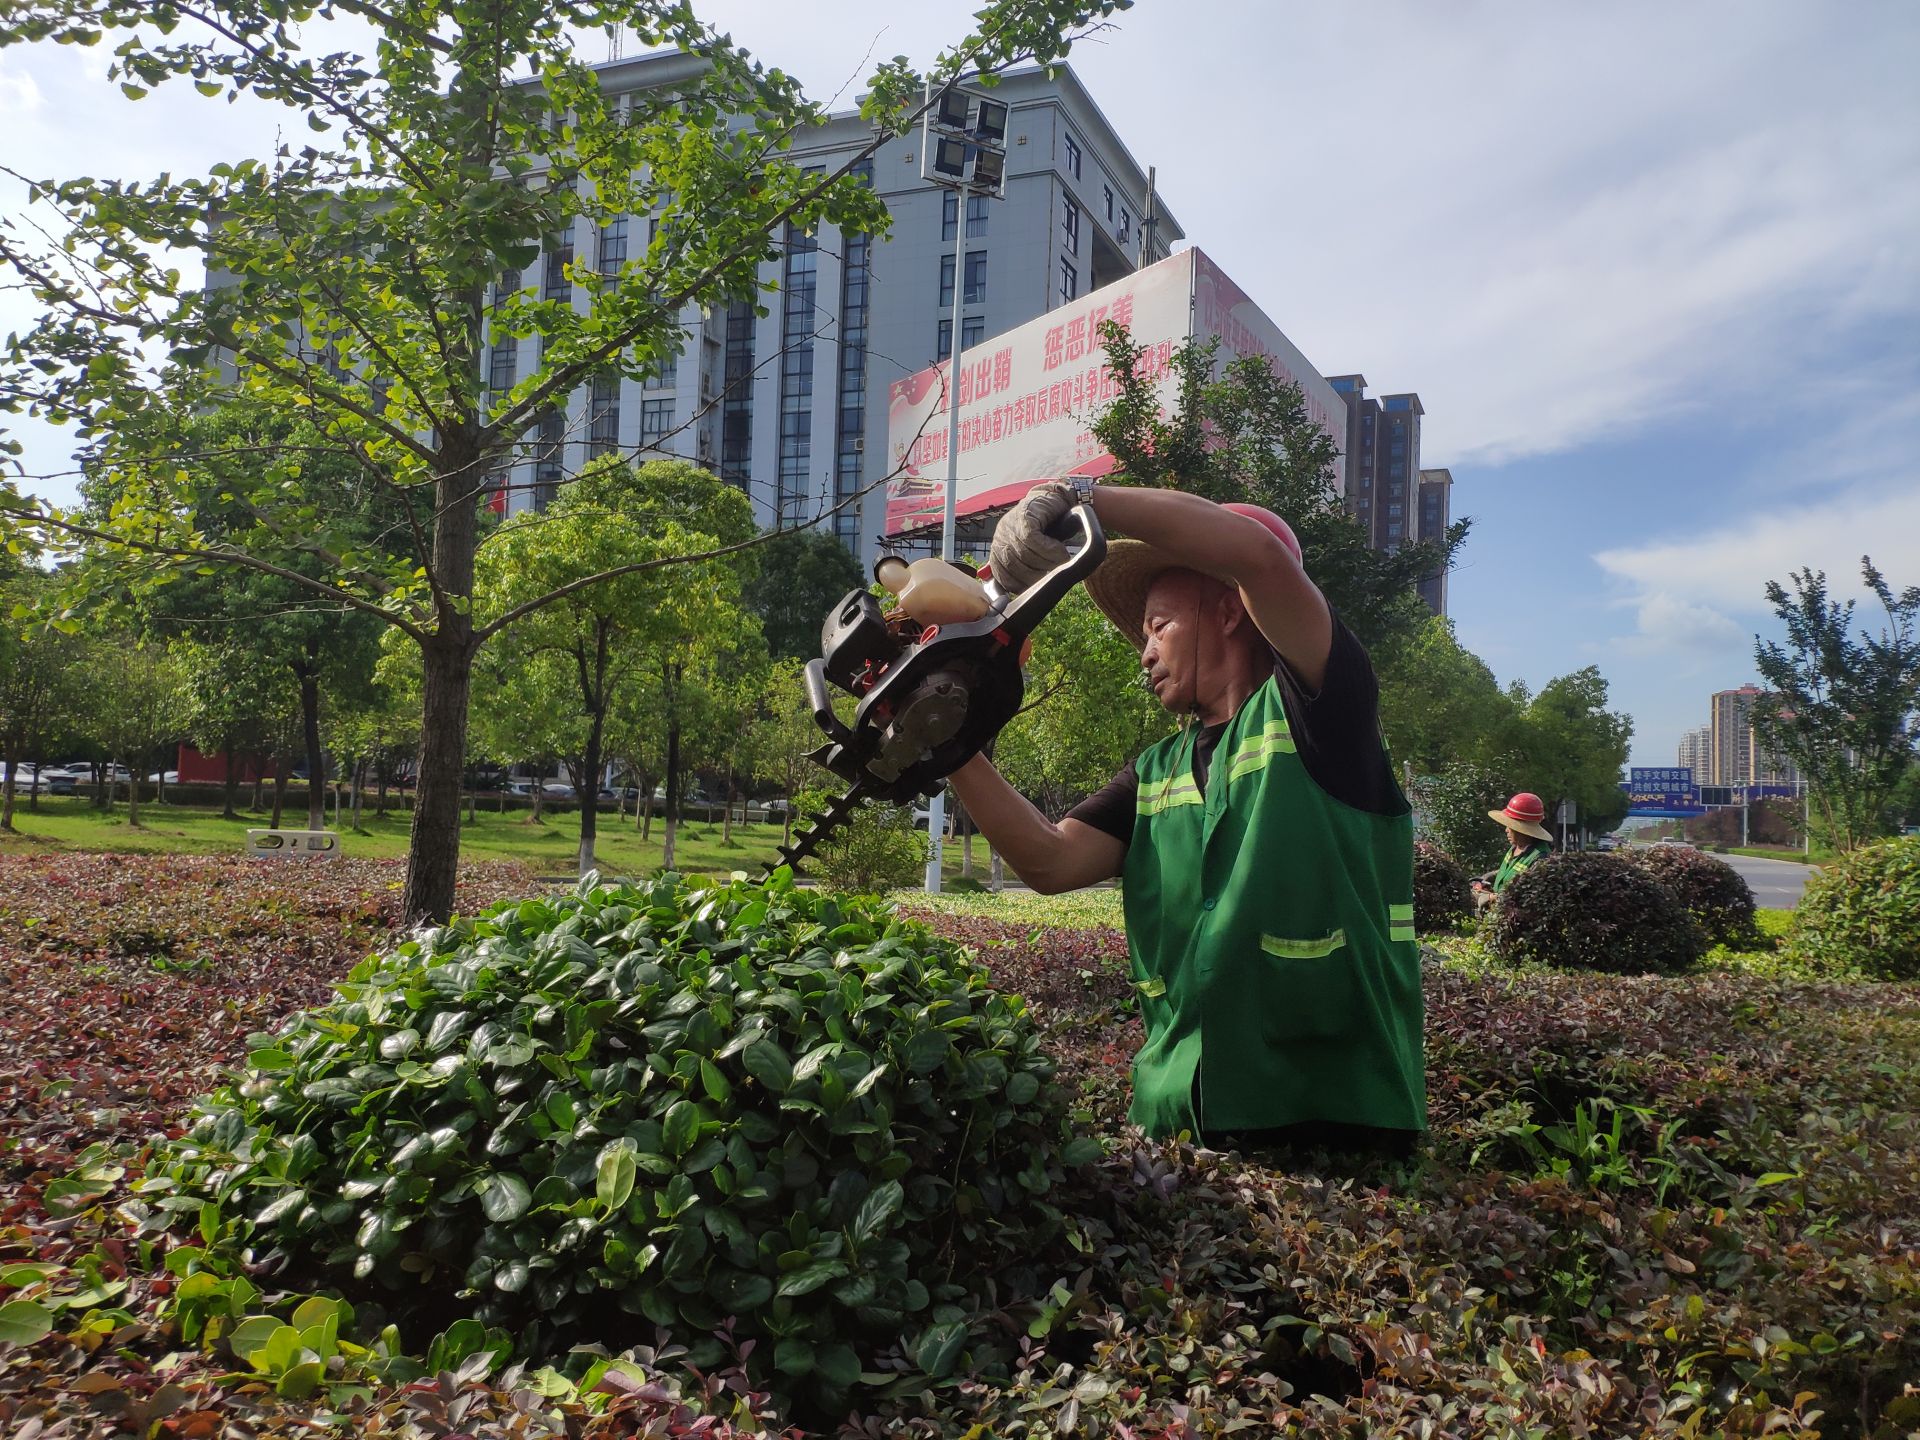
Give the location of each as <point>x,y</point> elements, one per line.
<point>937,806</point>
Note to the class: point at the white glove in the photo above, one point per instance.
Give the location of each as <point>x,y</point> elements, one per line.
<point>1023,551</point>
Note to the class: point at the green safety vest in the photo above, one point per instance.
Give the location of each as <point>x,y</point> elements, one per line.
<point>1514,861</point>
<point>1271,934</point>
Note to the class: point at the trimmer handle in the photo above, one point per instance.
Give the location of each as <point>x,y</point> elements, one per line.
<point>1079,530</point>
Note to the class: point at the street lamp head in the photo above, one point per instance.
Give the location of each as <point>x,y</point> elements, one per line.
<point>989,171</point>
<point>990,123</point>
<point>950,158</point>
<point>951,113</point>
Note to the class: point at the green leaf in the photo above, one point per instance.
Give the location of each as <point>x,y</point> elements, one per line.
<point>400,1044</point>
<point>614,1174</point>
<point>927,1051</point>
<point>769,1064</point>
<point>939,1347</point>
<point>1081,1150</point>
<point>1022,1088</point>
<point>719,1089</point>
<point>505,1197</point>
<point>809,1278</point>
<point>877,1210</point>
<point>681,1127</point>
<point>839,1365</point>
<point>24,1321</point>
<point>793,1357</point>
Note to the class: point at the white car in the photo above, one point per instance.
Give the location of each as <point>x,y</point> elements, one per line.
<point>164,777</point>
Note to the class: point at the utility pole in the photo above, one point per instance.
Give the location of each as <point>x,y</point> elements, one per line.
<point>963,151</point>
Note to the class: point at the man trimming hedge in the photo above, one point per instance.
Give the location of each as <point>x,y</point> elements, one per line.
<point>1266,849</point>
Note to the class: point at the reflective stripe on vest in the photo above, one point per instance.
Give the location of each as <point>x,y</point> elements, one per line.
<point>1255,750</point>
<point>1400,922</point>
<point>1175,790</point>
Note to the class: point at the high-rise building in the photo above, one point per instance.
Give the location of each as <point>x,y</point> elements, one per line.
<point>1394,500</point>
<point>1732,735</point>
<point>1696,753</point>
<point>1436,505</point>
<point>1768,766</point>
<point>793,404</point>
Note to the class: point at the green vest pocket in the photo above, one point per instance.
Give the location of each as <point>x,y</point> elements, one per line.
<point>1303,949</point>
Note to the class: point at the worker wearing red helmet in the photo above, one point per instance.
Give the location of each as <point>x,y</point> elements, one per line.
<point>1528,842</point>
<point>1265,850</point>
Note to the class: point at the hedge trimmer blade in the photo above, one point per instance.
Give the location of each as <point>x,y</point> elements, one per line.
<point>820,827</point>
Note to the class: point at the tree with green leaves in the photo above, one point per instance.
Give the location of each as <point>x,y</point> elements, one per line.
<point>1237,431</point>
<point>1571,747</point>
<point>569,658</point>
<point>38,692</point>
<point>359,279</point>
<point>1087,710</point>
<point>1844,703</point>
<point>803,574</point>
<point>139,704</point>
<point>1440,704</point>
<point>235,696</point>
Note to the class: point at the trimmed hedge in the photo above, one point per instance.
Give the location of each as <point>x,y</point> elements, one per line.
<point>666,1104</point>
<point>1442,895</point>
<point>1593,911</point>
<point>1861,913</point>
<point>1712,891</point>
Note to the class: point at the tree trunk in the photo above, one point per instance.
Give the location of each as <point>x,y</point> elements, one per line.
<point>646,816</point>
<point>133,794</point>
<point>359,788</point>
<point>230,788</point>
<point>966,846</point>
<point>673,793</point>
<point>259,782</point>
<point>279,789</point>
<point>6,801</point>
<point>309,675</point>
<point>589,794</point>
<point>380,800</point>
<point>999,876</point>
<point>433,854</point>
<point>33,801</point>
<point>473,803</point>
<point>726,826</point>
<point>539,798</point>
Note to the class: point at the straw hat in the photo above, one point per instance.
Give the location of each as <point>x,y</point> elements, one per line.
<point>1119,587</point>
<point>1525,812</point>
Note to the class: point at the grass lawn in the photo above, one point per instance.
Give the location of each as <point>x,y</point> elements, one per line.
<point>73,824</point>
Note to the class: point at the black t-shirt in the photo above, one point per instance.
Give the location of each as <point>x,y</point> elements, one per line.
<point>1336,733</point>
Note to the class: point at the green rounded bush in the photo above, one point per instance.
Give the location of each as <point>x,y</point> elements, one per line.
<point>1442,896</point>
<point>879,850</point>
<point>663,1104</point>
<point>1591,911</point>
<point>1712,891</point>
<point>1861,913</point>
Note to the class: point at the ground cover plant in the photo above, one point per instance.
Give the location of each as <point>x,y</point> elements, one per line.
<point>1650,1205</point>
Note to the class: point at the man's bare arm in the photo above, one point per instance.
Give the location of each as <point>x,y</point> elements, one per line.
<point>1047,857</point>
<point>1287,607</point>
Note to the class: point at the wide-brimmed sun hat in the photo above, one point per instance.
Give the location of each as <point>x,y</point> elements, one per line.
<point>1524,813</point>
<point>1119,587</point>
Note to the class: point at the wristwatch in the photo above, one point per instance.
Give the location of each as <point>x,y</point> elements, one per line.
<point>1083,488</point>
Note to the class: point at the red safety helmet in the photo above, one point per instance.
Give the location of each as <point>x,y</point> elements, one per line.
<point>1526,808</point>
<point>1281,530</point>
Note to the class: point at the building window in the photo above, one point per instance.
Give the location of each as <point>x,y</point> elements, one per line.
<point>799,284</point>
<point>976,215</point>
<point>603,416</point>
<point>613,247</point>
<point>1070,226</point>
<point>976,288</point>
<point>1107,191</point>
<point>1393,511</point>
<point>549,452</point>
<point>502,367</point>
<point>850,442</point>
<point>1125,228</point>
<point>973,329</point>
<point>1069,280</point>
<point>736,405</point>
<point>1073,155</point>
<point>656,419</point>
<point>666,371</point>
<point>556,284</point>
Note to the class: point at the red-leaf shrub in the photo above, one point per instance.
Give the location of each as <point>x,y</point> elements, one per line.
<point>1588,911</point>
<point>1442,897</point>
<point>1712,891</point>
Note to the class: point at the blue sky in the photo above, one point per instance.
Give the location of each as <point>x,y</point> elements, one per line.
<point>1652,268</point>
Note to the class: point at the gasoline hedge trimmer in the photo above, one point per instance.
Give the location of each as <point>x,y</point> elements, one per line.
<point>933,691</point>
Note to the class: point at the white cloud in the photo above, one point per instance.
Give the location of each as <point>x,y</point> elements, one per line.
<point>1686,591</point>
<point>18,94</point>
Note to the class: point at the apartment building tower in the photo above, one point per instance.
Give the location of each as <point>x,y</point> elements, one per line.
<point>1696,753</point>
<point>793,405</point>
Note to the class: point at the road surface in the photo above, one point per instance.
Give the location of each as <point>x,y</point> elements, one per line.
<point>1776,883</point>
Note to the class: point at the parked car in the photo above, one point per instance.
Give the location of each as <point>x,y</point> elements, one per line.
<point>1669,843</point>
<point>164,777</point>
<point>1606,842</point>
